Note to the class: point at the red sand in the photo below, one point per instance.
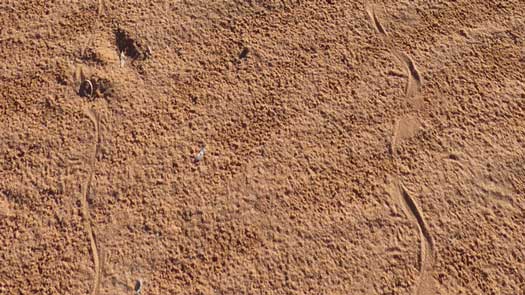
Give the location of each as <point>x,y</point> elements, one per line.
<point>351,148</point>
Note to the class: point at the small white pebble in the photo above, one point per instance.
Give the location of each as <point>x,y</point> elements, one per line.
<point>122,58</point>
<point>200,155</point>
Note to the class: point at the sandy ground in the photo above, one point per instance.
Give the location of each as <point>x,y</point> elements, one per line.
<point>350,147</point>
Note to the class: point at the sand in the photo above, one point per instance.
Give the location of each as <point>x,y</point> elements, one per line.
<point>350,147</point>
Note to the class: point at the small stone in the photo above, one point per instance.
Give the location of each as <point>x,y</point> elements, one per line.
<point>200,155</point>
<point>138,286</point>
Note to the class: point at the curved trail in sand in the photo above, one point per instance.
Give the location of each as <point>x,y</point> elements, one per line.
<point>85,208</point>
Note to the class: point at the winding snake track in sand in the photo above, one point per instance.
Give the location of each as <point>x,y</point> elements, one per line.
<point>426,255</point>
<point>375,20</point>
<point>413,87</point>
<point>414,81</point>
<point>427,248</point>
<point>85,210</point>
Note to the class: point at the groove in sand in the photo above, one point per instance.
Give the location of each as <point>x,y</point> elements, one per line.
<point>414,81</point>
<point>375,21</point>
<point>393,142</point>
<point>85,210</point>
<point>426,255</point>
